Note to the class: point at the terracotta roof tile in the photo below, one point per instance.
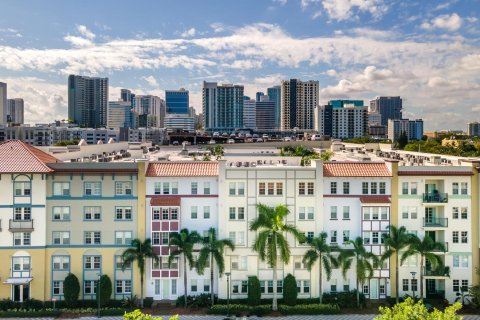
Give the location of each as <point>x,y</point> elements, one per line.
<point>183,169</point>
<point>165,201</point>
<point>375,199</point>
<point>435,173</point>
<point>16,156</point>
<point>355,169</point>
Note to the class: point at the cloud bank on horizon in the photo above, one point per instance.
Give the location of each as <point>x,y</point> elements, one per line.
<point>427,52</point>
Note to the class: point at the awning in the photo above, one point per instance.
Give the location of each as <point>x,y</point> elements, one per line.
<point>18,280</point>
<point>375,199</point>
<point>173,201</point>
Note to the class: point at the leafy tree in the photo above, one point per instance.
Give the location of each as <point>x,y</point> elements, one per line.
<point>327,155</point>
<point>71,290</point>
<point>216,150</point>
<point>320,251</point>
<point>425,248</point>
<point>254,293</point>
<point>365,262</point>
<point>417,311</point>
<point>212,253</point>
<point>139,251</point>
<point>181,244</point>
<point>105,290</point>
<point>271,242</point>
<point>396,240</point>
<point>290,292</point>
<point>402,140</point>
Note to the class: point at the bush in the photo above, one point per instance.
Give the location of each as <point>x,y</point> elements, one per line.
<point>200,301</point>
<point>344,299</point>
<point>224,309</point>
<point>474,292</point>
<point>417,311</point>
<point>147,302</point>
<point>254,293</point>
<point>138,315</point>
<point>309,309</point>
<point>290,290</point>
<point>71,290</point>
<point>105,291</point>
<point>260,310</point>
<point>30,314</point>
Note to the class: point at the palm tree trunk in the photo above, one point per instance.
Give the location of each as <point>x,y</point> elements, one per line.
<point>211,279</point>
<point>396,278</point>
<point>421,278</point>
<point>274,304</point>
<point>185,279</point>
<point>141,289</point>
<point>358,293</point>
<point>320,281</point>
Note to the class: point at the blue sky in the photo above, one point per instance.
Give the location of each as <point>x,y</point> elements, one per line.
<point>425,51</point>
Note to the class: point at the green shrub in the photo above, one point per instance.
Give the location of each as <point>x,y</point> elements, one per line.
<point>30,314</point>
<point>138,315</point>
<point>309,309</point>
<point>417,311</point>
<point>224,309</point>
<point>344,299</point>
<point>112,312</point>
<point>474,292</point>
<point>290,290</point>
<point>147,302</point>
<point>200,301</point>
<point>71,290</point>
<point>254,293</point>
<point>105,291</point>
<point>260,310</point>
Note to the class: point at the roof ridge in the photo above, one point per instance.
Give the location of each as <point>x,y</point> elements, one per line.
<point>29,147</point>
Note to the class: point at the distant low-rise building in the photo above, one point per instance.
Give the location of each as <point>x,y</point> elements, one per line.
<point>473,129</point>
<point>412,128</point>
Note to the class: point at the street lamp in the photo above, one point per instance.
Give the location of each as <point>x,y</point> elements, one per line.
<point>228,294</point>
<point>98,294</point>
<point>413,273</point>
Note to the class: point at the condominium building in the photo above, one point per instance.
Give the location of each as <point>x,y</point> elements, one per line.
<point>150,106</point>
<point>120,115</point>
<point>15,111</point>
<point>473,129</point>
<point>265,114</point>
<point>341,122</point>
<point>274,94</point>
<point>298,100</point>
<point>222,106</point>
<point>390,108</point>
<point>412,128</point>
<point>249,114</point>
<point>3,103</point>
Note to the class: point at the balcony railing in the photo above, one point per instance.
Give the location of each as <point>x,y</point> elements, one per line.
<point>435,222</point>
<point>20,225</point>
<point>445,244</point>
<point>438,272</point>
<point>435,197</point>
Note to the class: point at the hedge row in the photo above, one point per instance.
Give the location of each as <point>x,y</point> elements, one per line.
<point>235,309</point>
<point>309,309</point>
<point>30,314</point>
<point>303,309</point>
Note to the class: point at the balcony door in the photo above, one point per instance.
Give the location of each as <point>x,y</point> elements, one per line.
<point>430,215</point>
<point>21,292</point>
<point>429,187</point>
<point>430,234</point>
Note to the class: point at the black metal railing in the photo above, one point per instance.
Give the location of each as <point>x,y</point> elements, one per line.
<point>435,222</point>
<point>438,272</point>
<point>435,197</point>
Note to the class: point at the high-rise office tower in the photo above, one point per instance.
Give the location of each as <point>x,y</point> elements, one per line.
<point>126,95</point>
<point>88,101</point>
<point>388,107</point>
<point>249,114</point>
<point>152,106</point>
<point>298,100</point>
<point>15,111</point>
<point>473,129</point>
<point>120,115</point>
<point>274,94</point>
<point>258,95</point>
<point>222,106</point>
<point>265,114</point>
<point>177,101</point>
<point>3,103</point>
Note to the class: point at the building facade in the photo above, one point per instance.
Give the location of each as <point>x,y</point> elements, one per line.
<point>344,122</point>
<point>222,106</point>
<point>473,129</point>
<point>390,108</point>
<point>274,94</point>
<point>177,101</point>
<point>15,111</point>
<point>412,128</point>
<point>265,114</point>
<point>298,100</point>
<point>120,115</point>
<point>3,103</point>
<point>249,114</point>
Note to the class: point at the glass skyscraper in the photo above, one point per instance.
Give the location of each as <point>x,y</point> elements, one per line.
<point>177,101</point>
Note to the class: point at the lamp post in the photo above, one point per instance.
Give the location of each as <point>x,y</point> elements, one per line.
<point>228,293</point>
<point>98,295</point>
<point>413,273</point>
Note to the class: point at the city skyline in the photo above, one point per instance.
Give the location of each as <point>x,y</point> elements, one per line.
<point>427,53</point>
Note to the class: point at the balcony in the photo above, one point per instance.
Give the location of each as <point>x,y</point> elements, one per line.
<point>443,272</point>
<point>435,197</point>
<point>435,222</point>
<point>445,244</point>
<point>20,225</point>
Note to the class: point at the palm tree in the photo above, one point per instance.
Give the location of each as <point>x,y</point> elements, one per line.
<point>365,262</point>
<point>216,151</point>
<point>396,240</point>
<point>181,244</point>
<point>425,248</point>
<point>271,242</point>
<point>212,251</point>
<point>320,250</point>
<point>140,252</point>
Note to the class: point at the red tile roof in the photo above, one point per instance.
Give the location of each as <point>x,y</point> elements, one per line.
<point>435,173</point>
<point>183,169</point>
<point>165,201</point>
<point>16,156</point>
<point>355,169</point>
<point>375,199</point>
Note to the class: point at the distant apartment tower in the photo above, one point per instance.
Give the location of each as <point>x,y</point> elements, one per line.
<point>120,115</point>
<point>222,106</point>
<point>177,101</point>
<point>388,107</point>
<point>249,114</point>
<point>258,95</point>
<point>15,111</point>
<point>412,128</point>
<point>3,103</point>
<point>88,101</point>
<point>341,120</point>
<point>473,129</point>
<point>126,95</point>
<point>298,100</point>
<point>150,107</point>
<point>274,94</point>
<point>265,114</point>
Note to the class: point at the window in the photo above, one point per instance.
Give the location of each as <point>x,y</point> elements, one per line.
<point>464,213</point>
<point>301,188</point>
<point>123,237</point>
<point>301,213</point>
<point>333,285</point>
<point>366,213</point>
<point>271,188</point>
<point>241,213</point>
<point>156,214</point>
<point>123,213</point>
<point>375,237</point>
<point>165,214</point>
<point>346,285</point>
<point>238,238</point>
<point>310,213</point>
<point>413,188</point>
<point>23,214</point>
<point>382,187</point>
<point>455,237</point>
<point>164,238</point>
<point>460,261</point>
<point>456,285</point>
<point>241,188</point>
<point>310,188</point>
<point>22,188</point>
<point>174,213</point>
<point>61,237</point>
<point>61,262</point>
<point>366,237</point>
<point>346,213</point>
<point>174,187</point>
<point>455,188</point>
<point>303,286</point>
<point>298,263</point>
<point>193,285</point>
<point>92,213</point>
<point>455,213</point>
<point>333,187</point>
<point>404,187</point>
<point>365,289</point>
<point>123,188</point>
<point>194,187</point>
<point>464,188</point>
<point>93,188</point>
<point>375,215</point>
<point>232,189</point>
<point>333,213</point>
<point>157,188</point>
<point>239,262</point>
<point>166,188</point>
<point>206,212</point>
<point>206,188</point>
<point>279,186</point>
<point>464,235</point>
<point>22,238</point>
<point>239,286</point>
<point>119,263</point>
<point>61,214</point>
<point>333,236</point>
<point>464,285</point>
<point>346,235</point>
<point>174,286</point>
<point>261,188</point>
<point>91,262</point>
<point>21,265</point>
<point>384,213</point>
<point>346,188</point>
<point>92,237</point>
<point>414,284</point>
<point>61,188</point>
<point>57,287</point>
<point>123,286</point>
<point>364,187</point>
<point>193,212</point>
<point>232,213</point>
<point>90,287</point>
<point>373,188</point>
<point>413,213</point>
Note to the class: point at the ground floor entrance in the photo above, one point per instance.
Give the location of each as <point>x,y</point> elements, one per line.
<point>165,289</point>
<point>20,292</point>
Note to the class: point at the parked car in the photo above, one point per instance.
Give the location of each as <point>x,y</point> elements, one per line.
<point>216,134</point>
<point>233,135</point>
<point>175,143</point>
<point>255,136</point>
<point>248,135</point>
<point>287,139</point>
<point>224,134</point>
<point>259,139</point>
<point>230,141</point>
<point>211,142</point>
<point>265,137</point>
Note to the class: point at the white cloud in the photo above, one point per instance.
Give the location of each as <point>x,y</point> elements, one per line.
<point>151,81</point>
<point>373,33</point>
<point>83,30</point>
<point>188,33</point>
<point>331,72</point>
<point>217,27</point>
<point>451,22</point>
<point>280,2</point>
<point>344,9</point>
